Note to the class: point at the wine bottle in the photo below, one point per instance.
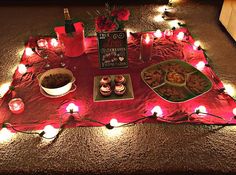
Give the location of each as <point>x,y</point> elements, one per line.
<point>69,26</point>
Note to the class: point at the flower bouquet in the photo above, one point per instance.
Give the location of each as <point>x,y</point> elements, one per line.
<point>112,38</point>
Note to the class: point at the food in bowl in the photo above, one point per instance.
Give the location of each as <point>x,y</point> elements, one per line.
<point>57,81</point>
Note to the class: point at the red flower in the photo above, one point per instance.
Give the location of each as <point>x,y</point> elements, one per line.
<point>121,14</point>
<point>104,24</point>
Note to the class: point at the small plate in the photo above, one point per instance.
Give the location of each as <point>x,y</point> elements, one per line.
<point>73,88</point>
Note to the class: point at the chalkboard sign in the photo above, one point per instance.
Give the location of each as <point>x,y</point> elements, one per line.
<point>112,48</point>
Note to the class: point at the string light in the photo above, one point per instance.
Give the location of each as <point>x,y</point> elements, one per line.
<point>28,51</point>
<point>180,36</point>
<point>158,33</point>
<point>49,132</point>
<point>113,123</point>
<point>234,111</point>
<point>201,110</point>
<point>22,69</point>
<point>162,9</point>
<point>229,89</point>
<point>72,108</point>
<point>4,88</point>
<point>158,18</point>
<point>5,134</point>
<point>196,45</point>
<point>200,65</point>
<point>157,111</point>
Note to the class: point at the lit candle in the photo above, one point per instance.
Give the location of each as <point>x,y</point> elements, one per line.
<point>42,43</point>
<point>16,105</point>
<point>158,33</point>
<point>196,45</point>
<point>54,42</point>
<point>168,33</point>
<point>200,65</point>
<point>180,36</point>
<point>146,47</point>
<point>22,69</point>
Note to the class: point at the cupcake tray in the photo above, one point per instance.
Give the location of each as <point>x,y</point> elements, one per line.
<point>98,97</point>
<point>176,81</point>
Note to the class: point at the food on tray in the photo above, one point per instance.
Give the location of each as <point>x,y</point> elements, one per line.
<point>175,80</point>
<point>105,80</point>
<point>172,93</point>
<point>154,77</point>
<point>176,67</point>
<point>119,89</point>
<point>175,77</point>
<point>56,80</point>
<point>196,83</point>
<point>105,90</point>
<point>120,79</point>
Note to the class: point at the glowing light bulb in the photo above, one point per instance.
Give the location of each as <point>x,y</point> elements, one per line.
<point>201,109</point>
<point>158,33</point>
<point>229,89</point>
<point>158,110</point>
<point>22,69</point>
<point>114,122</point>
<point>162,9</point>
<point>174,23</point>
<point>50,131</point>
<point>158,18</point>
<point>200,65</point>
<point>168,32</point>
<point>5,135</point>
<point>180,36</point>
<point>28,51</point>
<point>196,45</point>
<point>4,88</point>
<point>54,42</point>
<point>72,107</point>
<point>234,111</point>
<point>128,32</point>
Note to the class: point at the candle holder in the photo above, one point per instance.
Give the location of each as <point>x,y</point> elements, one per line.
<point>146,47</point>
<point>16,105</point>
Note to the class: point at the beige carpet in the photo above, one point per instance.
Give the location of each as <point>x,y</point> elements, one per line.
<point>139,149</point>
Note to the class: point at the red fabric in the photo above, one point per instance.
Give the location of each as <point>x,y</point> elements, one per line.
<point>74,46</point>
<point>40,110</point>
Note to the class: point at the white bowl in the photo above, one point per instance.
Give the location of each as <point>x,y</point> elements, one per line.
<point>60,90</point>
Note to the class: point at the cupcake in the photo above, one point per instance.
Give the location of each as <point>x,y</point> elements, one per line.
<point>119,89</point>
<point>120,79</point>
<point>105,90</point>
<point>105,80</point>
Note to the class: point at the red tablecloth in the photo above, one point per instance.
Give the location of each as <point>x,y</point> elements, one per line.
<point>41,111</point>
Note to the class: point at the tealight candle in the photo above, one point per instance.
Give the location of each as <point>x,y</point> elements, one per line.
<point>146,47</point>
<point>158,33</point>
<point>16,105</point>
<point>180,36</point>
<point>22,69</point>
<point>42,43</point>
